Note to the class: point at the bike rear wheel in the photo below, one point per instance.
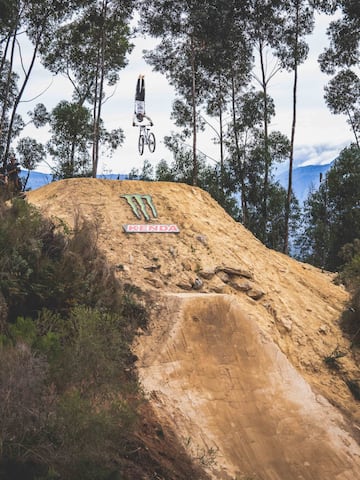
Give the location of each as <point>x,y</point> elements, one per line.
<point>151,142</point>
<point>141,143</point>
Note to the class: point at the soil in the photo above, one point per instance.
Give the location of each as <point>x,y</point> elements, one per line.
<point>245,364</point>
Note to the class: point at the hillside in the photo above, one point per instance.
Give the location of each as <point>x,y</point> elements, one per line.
<point>233,361</point>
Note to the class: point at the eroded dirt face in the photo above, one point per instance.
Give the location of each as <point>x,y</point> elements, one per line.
<point>234,396</point>
<point>291,311</point>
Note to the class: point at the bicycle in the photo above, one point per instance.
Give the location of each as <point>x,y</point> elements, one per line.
<point>146,138</point>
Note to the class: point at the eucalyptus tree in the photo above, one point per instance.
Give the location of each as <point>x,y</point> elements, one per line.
<point>240,138</point>
<point>71,134</point>
<point>209,175</point>
<point>250,153</point>
<point>193,51</point>
<point>182,166</point>
<point>8,95</point>
<point>343,33</point>
<point>313,238</point>
<point>292,50</point>
<point>177,56</point>
<point>35,20</point>
<point>30,154</point>
<point>7,77</point>
<point>342,60</point>
<point>7,8</point>
<point>228,63</point>
<point>247,163</point>
<point>265,22</point>
<point>342,96</point>
<point>71,127</point>
<point>91,50</point>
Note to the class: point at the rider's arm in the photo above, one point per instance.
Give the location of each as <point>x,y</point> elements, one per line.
<point>149,120</point>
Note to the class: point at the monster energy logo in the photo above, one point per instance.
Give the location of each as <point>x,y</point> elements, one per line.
<point>138,204</point>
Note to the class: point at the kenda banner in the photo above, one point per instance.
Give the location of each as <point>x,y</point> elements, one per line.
<point>150,228</point>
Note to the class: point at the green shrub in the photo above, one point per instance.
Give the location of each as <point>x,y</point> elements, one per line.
<point>350,277</point>
<point>68,396</point>
<point>89,349</point>
<point>30,249</point>
<point>24,403</point>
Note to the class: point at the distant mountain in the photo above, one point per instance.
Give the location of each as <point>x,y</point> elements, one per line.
<point>35,180</point>
<point>38,179</point>
<point>304,179</point>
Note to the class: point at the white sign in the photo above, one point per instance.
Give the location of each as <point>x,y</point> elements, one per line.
<point>151,228</point>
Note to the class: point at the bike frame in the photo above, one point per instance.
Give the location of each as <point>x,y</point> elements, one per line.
<point>146,137</point>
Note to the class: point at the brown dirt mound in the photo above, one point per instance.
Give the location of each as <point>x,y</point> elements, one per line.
<point>292,305</point>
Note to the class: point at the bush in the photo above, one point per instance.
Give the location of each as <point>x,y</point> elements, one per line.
<point>30,251</point>
<point>68,396</point>
<point>350,277</point>
<point>25,403</point>
<point>89,349</point>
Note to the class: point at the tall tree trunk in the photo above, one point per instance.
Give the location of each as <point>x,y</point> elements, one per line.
<point>4,53</point>
<point>291,162</point>
<point>99,91</point>
<point>95,125</point>
<point>292,141</point>
<point>244,211</point>
<point>221,139</point>
<point>22,89</point>
<point>266,146</point>
<point>193,101</point>
<point>353,127</point>
<point>101,85</point>
<point>7,91</point>
<point>98,119</point>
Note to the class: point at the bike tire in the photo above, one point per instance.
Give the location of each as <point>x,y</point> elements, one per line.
<point>141,144</point>
<point>151,142</point>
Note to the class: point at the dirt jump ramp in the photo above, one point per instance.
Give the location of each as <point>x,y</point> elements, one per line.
<point>233,360</point>
<point>236,401</point>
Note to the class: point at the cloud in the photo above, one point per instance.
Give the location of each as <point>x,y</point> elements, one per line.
<point>321,154</point>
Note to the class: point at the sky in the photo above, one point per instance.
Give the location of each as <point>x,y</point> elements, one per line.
<point>319,136</point>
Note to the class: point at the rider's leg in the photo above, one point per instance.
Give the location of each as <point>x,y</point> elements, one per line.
<point>138,90</point>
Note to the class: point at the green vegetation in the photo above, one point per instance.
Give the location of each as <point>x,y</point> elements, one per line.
<point>350,276</point>
<point>68,397</point>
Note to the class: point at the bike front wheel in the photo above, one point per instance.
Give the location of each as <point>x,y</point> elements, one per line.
<point>151,142</point>
<point>141,144</point>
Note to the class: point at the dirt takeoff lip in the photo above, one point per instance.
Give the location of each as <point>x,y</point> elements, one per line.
<point>229,388</point>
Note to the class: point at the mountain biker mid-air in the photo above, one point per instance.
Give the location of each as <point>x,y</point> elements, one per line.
<point>139,111</point>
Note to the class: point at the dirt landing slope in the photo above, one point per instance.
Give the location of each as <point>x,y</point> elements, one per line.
<point>295,305</point>
<point>236,400</point>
